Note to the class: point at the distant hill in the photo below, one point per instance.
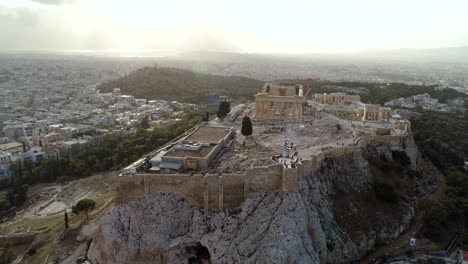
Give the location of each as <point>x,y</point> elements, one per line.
<point>182,85</point>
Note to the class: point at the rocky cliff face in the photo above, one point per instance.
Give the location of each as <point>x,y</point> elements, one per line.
<point>332,219</point>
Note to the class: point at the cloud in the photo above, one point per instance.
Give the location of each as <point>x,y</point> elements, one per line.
<point>208,41</point>
<point>17,17</point>
<point>159,25</point>
<point>53,2</point>
<point>25,29</point>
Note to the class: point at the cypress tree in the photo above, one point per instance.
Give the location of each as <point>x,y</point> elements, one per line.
<point>223,109</point>
<point>66,220</point>
<point>246,129</point>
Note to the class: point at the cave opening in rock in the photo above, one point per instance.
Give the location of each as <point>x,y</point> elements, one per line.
<point>200,254</point>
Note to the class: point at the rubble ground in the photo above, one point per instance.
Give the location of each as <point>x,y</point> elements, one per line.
<point>309,138</point>
<point>43,213</point>
<point>320,131</point>
<point>47,200</point>
<point>240,157</point>
<point>326,131</point>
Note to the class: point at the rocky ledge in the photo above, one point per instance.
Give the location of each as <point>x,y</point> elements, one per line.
<point>335,217</point>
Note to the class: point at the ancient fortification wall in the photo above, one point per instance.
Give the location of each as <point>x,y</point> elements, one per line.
<point>396,142</point>
<point>211,191</point>
<point>217,192</point>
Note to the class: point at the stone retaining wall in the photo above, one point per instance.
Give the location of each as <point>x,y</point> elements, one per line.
<point>217,192</point>
<point>210,191</point>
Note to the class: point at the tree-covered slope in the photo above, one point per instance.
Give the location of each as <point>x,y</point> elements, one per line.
<point>378,93</point>
<point>182,85</point>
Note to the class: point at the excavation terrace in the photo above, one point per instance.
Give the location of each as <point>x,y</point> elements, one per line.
<point>217,168</point>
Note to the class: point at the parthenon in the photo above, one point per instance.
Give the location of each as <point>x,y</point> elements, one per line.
<point>280,101</point>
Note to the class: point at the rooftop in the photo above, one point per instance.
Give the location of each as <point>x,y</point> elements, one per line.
<point>208,134</point>
<point>10,145</point>
<point>182,153</point>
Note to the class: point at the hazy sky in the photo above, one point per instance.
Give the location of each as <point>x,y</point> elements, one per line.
<point>239,25</point>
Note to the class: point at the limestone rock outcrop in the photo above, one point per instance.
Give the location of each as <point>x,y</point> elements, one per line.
<point>313,225</point>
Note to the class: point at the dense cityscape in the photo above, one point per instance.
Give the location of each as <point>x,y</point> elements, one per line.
<point>50,105</point>
<point>55,107</point>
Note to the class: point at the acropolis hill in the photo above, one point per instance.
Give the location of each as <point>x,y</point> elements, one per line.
<point>303,188</point>
<point>216,168</point>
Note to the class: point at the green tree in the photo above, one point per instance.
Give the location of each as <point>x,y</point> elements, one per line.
<point>223,109</point>
<point>384,190</point>
<point>207,117</point>
<point>435,217</point>
<point>66,220</point>
<point>84,205</point>
<point>31,251</point>
<point>145,123</point>
<point>246,128</point>
<point>16,195</point>
<point>172,85</point>
<point>28,168</point>
<point>7,256</point>
<point>17,176</point>
<point>418,108</point>
<point>4,204</point>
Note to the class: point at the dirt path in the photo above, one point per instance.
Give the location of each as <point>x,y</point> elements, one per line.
<point>416,224</point>
<point>439,194</point>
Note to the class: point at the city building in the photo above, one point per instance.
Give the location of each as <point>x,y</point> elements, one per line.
<point>140,102</point>
<point>214,99</point>
<point>45,140</point>
<point>35,155</point>
<point>21,130</point>
<point>72,146</point>
<point>107,120</point>
<point>116,91</point>
<point>129,99</point>
<point>5,161</point>
<point>11,147</point>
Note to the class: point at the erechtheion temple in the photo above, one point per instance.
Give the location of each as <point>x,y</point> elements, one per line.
<point>336,98</point>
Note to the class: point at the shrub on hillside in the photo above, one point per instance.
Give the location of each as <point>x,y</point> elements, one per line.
<point>385,190</point>
<point>435,217</point>
<point>84,205</point>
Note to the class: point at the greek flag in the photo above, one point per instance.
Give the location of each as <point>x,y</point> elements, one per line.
<point>286,145</point>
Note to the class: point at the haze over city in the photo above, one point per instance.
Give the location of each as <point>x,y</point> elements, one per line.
<point>335,26</point>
